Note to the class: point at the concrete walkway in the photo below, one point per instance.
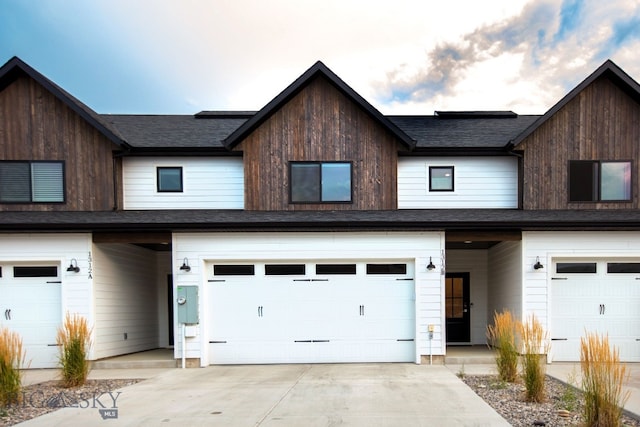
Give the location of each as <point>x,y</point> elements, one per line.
<point>287,395</point>
<point>294,395</point>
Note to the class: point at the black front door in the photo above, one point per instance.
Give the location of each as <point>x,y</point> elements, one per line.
<point>457,308</point>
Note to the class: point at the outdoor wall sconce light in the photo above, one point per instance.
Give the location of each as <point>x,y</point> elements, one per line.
<point>537,265</point>
<point>73,266</point>
<point>430,266</point>
<point>185,265</point>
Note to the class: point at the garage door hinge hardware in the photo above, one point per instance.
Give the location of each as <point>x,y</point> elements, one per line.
<point>408,278</point>
<point>312,341</point>
<point>301,280</point>
<point>558,278</point>
<point>260,311</point>
<point>217,342</point>
<point>216,280</point>
<point>54,345</point>
<point>7,314</point>
<point>405,339</point>
<point>559,339</point>
<point>602,308</point>
<point>362,310</point>
<point>54,281</point>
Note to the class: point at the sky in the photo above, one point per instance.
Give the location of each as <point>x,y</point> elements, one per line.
<point>402,56</point>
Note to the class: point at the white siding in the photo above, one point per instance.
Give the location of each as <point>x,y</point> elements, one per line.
<point>199,248</point>
<point>126,296</point>
<point>475,263</point>
<point>208,183</point>
<point>505,279</point>
<point>479,182</point>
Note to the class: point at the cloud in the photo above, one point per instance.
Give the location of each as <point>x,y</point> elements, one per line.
<point>525,62</point>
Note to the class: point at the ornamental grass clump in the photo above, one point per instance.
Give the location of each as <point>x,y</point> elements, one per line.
<point>12,358</point>
<point>74,341</point>
<point>602,379</point>
<point>535,345</point>
<point>502,335</point>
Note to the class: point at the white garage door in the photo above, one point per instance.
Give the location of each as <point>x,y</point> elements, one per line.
<point>595,296</point>
<point>30,305</point>
<point>311,313</point>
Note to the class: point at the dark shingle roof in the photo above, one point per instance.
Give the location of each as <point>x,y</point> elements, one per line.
<point>175,131</point>
<point>464,131</point>
<point>240,220</point>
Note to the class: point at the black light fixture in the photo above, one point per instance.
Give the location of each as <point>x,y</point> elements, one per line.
<point>185,265</point>
<point>431,266</point>
<point>537,265</point>
<point>73,266</point>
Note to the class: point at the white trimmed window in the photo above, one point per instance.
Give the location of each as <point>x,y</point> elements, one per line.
<point>31,182</point>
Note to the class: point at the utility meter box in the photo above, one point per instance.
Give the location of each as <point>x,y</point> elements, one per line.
<point>187,304</point>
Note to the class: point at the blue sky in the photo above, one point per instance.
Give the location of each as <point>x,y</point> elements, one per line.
<point>405,56</point>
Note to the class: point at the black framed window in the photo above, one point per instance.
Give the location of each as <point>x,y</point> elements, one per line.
<point>320,182</point>
<point>596,181</point>
<point>623,267</point>
<point>31,182</point>
<point>440,178</point>
<point>169,179</point>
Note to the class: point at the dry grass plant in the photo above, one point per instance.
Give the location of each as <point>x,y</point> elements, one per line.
<point>602,379</point>
<point>12,359</point>
<point>535,346</point>
<point>74,339</point>
<point>502,335</point>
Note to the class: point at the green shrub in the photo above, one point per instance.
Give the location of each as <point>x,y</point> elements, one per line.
<point>74,340</point>
<point>535,346</point>
<point>12,358</point>
<point>502,335</point>
<point>602,379</point>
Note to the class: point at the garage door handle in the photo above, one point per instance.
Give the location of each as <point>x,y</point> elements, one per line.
<point>7,314</point>
<point>260,311</point>
<point>362,310</point>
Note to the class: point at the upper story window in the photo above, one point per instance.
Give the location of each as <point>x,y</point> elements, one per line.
<point>320,182</point>
<point>31,182</point>
<point>440,178</point>
<point>595,181</point>
<point>169,179</point>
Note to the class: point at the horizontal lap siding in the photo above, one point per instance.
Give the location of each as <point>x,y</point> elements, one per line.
<point>600,123</point>
<point>320,124</point>
<point>208,183</point>
<point>480,182</point>
<point>34,125</point>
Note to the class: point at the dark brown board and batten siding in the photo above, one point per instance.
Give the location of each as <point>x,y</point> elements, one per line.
<point>35,125</point>
<point>320,124</point>
<point>601,123</point>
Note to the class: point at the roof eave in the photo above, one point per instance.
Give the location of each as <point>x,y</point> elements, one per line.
<point>15,64</point>
<point>293,89</point>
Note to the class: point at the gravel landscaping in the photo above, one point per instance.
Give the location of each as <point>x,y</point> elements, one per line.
<point>562,407</point>
<point>39,399</point>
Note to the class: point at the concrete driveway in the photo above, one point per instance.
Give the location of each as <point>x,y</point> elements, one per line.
<point>288,395</point>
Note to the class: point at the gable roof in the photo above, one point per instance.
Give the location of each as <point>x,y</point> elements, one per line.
<point>15,68</point>
<point>607,70</point>
<point>318,69</point>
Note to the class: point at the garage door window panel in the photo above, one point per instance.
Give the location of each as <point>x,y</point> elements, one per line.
<point>234,270</point>
<point>576,267</point>
<point>386,268</point>
<point>623,267</point>
<point>284,269</point>
<point>35,271</point>
<point>329,269</point>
